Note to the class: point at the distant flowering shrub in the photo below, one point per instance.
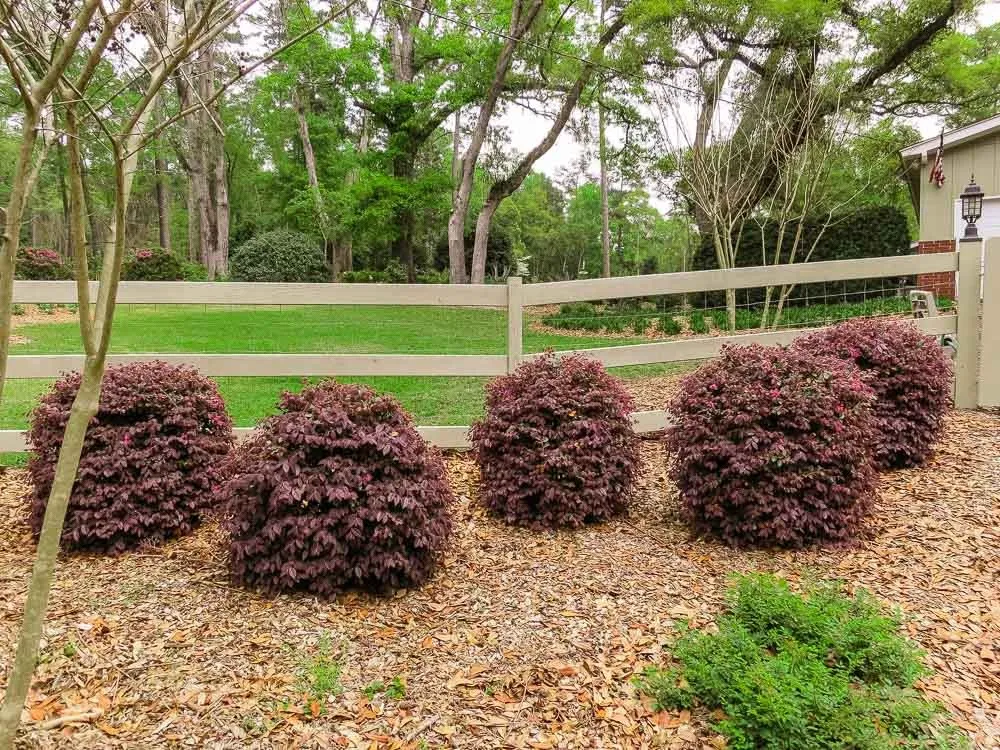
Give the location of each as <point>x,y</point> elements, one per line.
<point>150,461</point>
<point>152,264</point>
<point>772,447</point>
<point>337,491</point>
<point>556,447</point>
<point>41,264</point>
<point>910,374</point>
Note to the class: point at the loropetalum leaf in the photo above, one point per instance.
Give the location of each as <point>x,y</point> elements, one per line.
<point>772,446</point>
<point>910,374</point>
<point>556,447</point>
<point>150,462</point>
<point>337,491</point>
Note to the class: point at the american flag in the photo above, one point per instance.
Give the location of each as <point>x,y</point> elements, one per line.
<point>937,170</point>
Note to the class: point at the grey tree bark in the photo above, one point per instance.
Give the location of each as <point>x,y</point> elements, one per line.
<point>502,189</point>
<point>523,15</point>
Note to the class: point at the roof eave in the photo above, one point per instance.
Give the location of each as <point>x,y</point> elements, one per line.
<point>955,137</point>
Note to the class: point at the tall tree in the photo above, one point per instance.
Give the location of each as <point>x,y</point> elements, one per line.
<point>505,187</point>
<point>522,17</point>
<point>885,55</point>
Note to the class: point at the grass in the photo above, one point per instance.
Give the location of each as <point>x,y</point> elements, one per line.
<point>319,674</point>
<point>394,691</point>
<point>454,400</point>
<point>361,329</point>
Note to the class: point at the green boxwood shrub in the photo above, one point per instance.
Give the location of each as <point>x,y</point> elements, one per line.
<point>814,671</point>
<point>152,264</point>
<point>279,256</point>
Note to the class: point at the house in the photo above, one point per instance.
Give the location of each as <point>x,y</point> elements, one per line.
<point>972,151</point>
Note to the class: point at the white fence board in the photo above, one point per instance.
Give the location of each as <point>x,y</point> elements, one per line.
<point>443,436</point>
<point>237,293</point>
<point>52,365</point>
<point>681,350</point>
<point>737,278</point>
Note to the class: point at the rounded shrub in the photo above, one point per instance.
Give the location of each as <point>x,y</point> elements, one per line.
<point>280,255</point>
<point>771,446</point>
<point>910,375</point>
<point>41,264</point>
<point>152,264</point>
<point>337,491</point>
<point>556,447</point>
<point>150,460</point>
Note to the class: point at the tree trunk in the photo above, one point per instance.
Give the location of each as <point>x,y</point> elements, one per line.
<point>96,337</point>
<point>321,215</point>
<point>522,18</point>
<point>602,153</point>
<point>83,410</point>
<point>456,221</point>
<point>502,189</point>
<point>605,208</point>
<point>483,224</point>
<point>203,204</point>
<point>11,240</point>
<point>91,210</point>
<point>162,201</point>
<point>402,169</point>
<point>194,241</point>
<point>221,194</point>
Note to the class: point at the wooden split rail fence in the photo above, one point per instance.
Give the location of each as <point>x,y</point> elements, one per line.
<point>514,297</point>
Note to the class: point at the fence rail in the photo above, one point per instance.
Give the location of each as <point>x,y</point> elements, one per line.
<point>514,297</point>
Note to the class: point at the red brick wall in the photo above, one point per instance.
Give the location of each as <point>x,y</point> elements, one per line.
<point>942,284</point>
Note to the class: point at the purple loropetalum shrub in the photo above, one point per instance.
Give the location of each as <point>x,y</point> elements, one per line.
<point>41,264</point>
<point>911,377</point>
<point>337,491</point>
<point>150,462</point>
<point>556,447</point>
<point>771,447</point>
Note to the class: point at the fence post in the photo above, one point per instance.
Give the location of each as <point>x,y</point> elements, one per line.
<point>515,318</point>
<point>967,361</point>
<point>989,356</point>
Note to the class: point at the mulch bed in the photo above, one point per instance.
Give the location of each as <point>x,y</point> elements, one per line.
<point>522,640</point>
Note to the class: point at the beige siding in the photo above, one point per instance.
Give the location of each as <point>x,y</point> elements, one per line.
<point>937,205</point>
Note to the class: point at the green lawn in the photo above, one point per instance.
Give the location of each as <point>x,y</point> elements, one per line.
<point>409,330</point>
<point>340,330</point>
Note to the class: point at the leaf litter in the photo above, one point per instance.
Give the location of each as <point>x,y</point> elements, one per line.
<point>521,640</point>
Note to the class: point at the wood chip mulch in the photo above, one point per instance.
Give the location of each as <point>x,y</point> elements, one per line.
<point>522,640</point>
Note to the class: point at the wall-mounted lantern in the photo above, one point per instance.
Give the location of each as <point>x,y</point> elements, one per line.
<point>972,208</point>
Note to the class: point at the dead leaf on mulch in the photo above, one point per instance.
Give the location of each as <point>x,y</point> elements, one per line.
<point>522,639</point>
